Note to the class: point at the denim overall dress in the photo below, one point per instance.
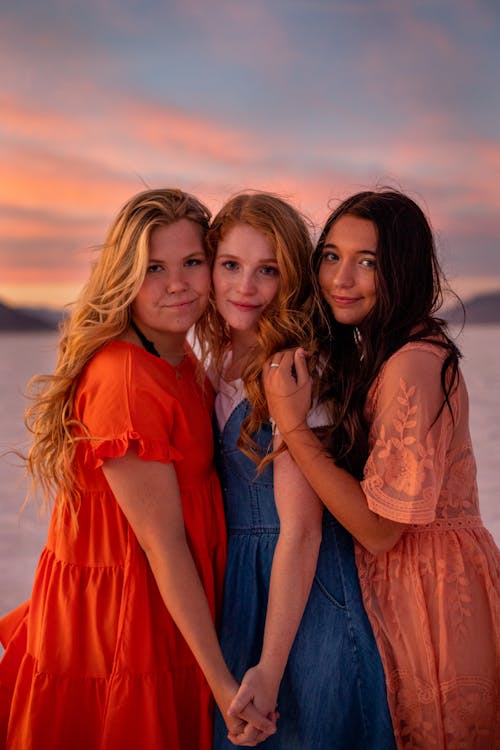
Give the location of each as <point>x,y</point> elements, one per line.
<point>333,694</point>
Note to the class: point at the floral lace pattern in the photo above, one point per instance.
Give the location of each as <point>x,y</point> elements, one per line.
<point>434,599</point>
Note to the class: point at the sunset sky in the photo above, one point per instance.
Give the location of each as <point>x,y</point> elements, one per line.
<point>313,99</point>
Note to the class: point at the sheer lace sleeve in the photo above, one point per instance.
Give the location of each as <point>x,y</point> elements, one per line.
<point>405,468</point>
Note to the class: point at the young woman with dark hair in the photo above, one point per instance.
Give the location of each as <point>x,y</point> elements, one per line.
<point>396,467</point>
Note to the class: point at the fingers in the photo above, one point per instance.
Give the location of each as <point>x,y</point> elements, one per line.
<point>278,358</point>
<point>289,361</point>
<point>301,368</point>
<point>249,737</point>
<point>237,730</point>
<point>243,697</point>
<point>281,363</point>
<point>255,727</point>
<point>290,370</point>
<point>257,720</point>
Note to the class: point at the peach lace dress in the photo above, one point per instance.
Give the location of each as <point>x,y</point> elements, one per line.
<point>434,599</point>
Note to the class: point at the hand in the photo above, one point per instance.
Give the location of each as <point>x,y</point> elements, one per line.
<point>260,690</point>
<point>248,726</point>
<point>288,388</point>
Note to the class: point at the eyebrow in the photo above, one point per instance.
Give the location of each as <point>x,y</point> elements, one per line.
<point>238,257</point>
<point>332,246</point>
<point>189,255</point>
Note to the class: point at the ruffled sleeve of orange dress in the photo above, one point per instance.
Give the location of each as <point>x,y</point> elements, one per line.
<point>406,465</point>
<point>121,405</point>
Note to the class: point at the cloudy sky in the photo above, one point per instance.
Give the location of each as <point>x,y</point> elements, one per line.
<point>313,99</point>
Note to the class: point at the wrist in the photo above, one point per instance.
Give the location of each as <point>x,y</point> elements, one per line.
<point>294,433</point>
<point>285,430</point>
<point>271,669</point>
<point>224,690</point>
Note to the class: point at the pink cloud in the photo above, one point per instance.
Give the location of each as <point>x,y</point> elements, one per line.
<point>35,178</point>
<point>130,130</point>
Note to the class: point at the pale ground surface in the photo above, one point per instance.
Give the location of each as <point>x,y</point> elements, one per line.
<point>22,537</point>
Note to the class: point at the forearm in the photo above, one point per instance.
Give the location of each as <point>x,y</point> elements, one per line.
<point>183,594</point>
<point>148,494</point>
<point>293,569</point>
<point>294,566</point>
<point>340,492</point>
<point>294,562</point>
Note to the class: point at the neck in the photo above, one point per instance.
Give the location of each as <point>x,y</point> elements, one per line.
<point>242,343</point>
<point>170,347</point>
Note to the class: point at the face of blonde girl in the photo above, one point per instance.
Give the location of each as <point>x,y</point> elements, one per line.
<point>347,269</point>
<point>175,291</point>
<point>245,277</point>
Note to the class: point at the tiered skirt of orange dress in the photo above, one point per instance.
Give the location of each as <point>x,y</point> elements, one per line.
<point>94,660</point>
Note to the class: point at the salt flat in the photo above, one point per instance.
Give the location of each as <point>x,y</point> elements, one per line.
<point>22,536</point>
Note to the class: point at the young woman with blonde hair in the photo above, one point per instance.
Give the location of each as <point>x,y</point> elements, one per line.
<point>293,625</point>
<point>117,646</point>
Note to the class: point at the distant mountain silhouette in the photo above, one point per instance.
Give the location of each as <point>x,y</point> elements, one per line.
<point>484,308</point>
<point>19,319</point>
<point>49,315</point>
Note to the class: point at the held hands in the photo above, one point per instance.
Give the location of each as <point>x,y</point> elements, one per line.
<point>258,690</point>
<point>248,725</point>
<point>288,388</point>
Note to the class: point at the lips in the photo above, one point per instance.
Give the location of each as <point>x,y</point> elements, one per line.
<point>344,300</point>
<point>244,306</point>
<point>175,305</point>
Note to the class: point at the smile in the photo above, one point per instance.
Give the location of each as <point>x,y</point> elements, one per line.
<point>344,300</point>
<point>244,306</point>
<point>176,305</point>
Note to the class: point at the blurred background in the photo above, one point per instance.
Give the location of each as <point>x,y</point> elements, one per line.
<point>313,99</point>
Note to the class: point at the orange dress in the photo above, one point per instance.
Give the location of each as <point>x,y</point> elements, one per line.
<point>94,661</point>
<point>434,599</point>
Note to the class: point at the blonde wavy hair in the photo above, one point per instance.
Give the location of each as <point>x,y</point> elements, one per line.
<point>285,322</point>
<point>101,313</point>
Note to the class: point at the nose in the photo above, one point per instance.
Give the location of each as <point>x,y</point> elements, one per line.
<point>246,284</point>
<point>176,281</point>
<point>343,277</point>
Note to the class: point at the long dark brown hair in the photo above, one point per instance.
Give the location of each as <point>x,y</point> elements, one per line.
<point>409,286</point>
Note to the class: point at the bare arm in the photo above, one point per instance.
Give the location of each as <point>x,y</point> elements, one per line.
<point>293,569</point>
<point>149,496</point>
<point>289,402</point>
<point>295,559</point>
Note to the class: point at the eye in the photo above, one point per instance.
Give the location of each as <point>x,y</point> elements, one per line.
<point>230,265</point>
<point>329,256</point>
<point>194,262</point>
<point>369,263</point>
<point>269,271</point>
<point>154,268</point>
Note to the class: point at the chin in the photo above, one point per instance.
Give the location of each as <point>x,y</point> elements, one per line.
<point>348,320</point>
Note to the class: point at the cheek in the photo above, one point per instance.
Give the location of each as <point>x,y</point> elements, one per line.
<point>217,286</point>
<point>324,277</point>
<point>372,292</point>
<point>273,290</point>
<point>143,296</point>
<point>205,282</point>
